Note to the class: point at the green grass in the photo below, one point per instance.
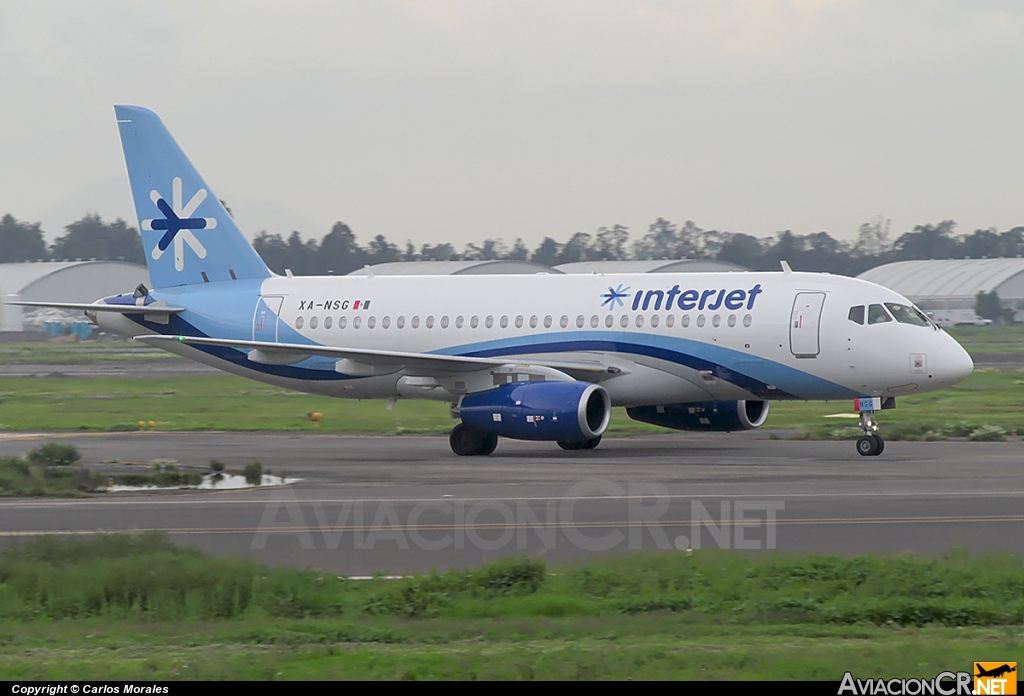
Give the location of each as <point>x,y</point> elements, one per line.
<point>990,339</point>
<point>21,477</point>
<point>142,608</point>
<point>990,397</point>
<point>70,353</point>
<point>650,647</point>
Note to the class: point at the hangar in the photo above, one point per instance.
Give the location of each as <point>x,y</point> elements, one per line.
<point>61,281</point>
<point>661,266</point>
<point>949,287</point>
<point>481,267</point>
<point>513,267</point>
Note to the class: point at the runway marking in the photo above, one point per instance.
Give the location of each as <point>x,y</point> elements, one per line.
<point>200,501</point>
<point>747,523</point>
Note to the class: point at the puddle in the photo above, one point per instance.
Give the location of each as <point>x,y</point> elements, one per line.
<point>212,482</point>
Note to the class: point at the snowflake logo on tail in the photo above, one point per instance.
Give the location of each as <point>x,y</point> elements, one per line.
<point>613,298</point>
<point>178,224</point>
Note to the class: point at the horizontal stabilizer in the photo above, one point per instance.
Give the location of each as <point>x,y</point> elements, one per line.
<point>119,308</point>
<point>376,358</point>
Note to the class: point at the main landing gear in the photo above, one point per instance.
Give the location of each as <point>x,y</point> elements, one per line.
<point>580,445</point>
<point>466,441</point>
<point>470,442</point>
<point>869,444</point>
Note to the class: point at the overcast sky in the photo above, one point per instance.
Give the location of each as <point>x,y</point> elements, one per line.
<point>457,121</point>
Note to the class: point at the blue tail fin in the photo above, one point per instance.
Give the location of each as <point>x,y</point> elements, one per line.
<point>187,235</point>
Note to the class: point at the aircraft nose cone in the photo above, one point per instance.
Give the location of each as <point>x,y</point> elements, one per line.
<point>955,364</point>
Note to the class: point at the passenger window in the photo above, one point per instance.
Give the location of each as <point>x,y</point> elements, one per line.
<point>444,322</point>
<point>385,323</point>
<point>716,320</point>
<point>400,322</point>
<point>639,320</point>
<point>504,321</point>
<point>371,322</point>
<point>489,321</point>
<point>356,321</point>
<point>474,321</point>
<point>877,314</point>
<point>313,323</point>
<point>430,321</point>
<point>533,322</point>
<point>609,321</point>
<point>298,323</point>
<point>857,314</point>
<point>547,321</point>
<point>327,322</point>
<point>415,323</point>
<point>700,321</point>
<point>684,321</point>
<point>458,322</point>
<point>564,321</point>
<point>670,320</point>
<point>654,320</point>
<point>341,322</point>
<point>580,321</point>
<point>519,322</point>
<point>594,321</point>
<point>732,320</point>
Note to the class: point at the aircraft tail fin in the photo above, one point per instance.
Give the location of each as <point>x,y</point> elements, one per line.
<point>187,235</point>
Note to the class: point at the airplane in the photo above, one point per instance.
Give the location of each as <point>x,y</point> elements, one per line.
<point>537,357</point>
<point>995,671</point>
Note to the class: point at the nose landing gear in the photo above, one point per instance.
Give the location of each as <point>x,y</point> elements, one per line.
<point>870,444</point>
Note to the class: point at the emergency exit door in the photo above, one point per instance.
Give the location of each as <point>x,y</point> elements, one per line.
<point>805,323</point>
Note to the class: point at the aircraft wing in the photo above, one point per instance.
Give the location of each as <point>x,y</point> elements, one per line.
<point>287,353</point>
<point>119,308</point>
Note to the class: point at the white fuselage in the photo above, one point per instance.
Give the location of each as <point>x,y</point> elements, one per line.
<point>726,335</point>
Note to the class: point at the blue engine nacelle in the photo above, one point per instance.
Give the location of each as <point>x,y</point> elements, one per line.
<point>568,411</point>
<point>712,416</point>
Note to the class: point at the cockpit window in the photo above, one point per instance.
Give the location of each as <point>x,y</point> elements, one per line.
<point>877,314</point>
<point>857,314</point>
<point>907,315</point>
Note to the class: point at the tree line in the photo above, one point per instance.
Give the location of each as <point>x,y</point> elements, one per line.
<point>339,252</point>
<point>88,238</point>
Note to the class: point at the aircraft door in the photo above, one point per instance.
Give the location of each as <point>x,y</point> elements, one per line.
<point>804,324</point>
<point>264,322</point>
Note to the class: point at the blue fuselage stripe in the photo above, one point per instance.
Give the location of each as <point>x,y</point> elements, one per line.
<point>758,376</point>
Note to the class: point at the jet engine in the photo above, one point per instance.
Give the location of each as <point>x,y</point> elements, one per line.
<point>562,411</point>
<point>710,416</point>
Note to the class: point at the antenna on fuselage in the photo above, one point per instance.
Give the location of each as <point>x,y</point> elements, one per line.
<point>785,267</point>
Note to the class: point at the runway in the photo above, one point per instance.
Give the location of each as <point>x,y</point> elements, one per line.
<point>401,504</point>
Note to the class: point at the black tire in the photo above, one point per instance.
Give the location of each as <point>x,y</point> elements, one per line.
<point>568,445</point>
<point>591,443</point>
<point>466,441</point>
<point>867,446</point>
<point>881,445</point>
<point>490,444</point>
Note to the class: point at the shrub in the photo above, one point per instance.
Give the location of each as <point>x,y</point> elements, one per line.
<point>217,465</point>
<point>253,473</point>
<point>987,433</point>
<point>54,453</point>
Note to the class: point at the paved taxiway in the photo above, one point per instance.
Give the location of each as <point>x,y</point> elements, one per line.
<point>404,504</point>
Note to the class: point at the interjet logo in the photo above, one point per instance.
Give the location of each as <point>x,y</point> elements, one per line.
<point>613,298</point>
<point>178,223</point>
